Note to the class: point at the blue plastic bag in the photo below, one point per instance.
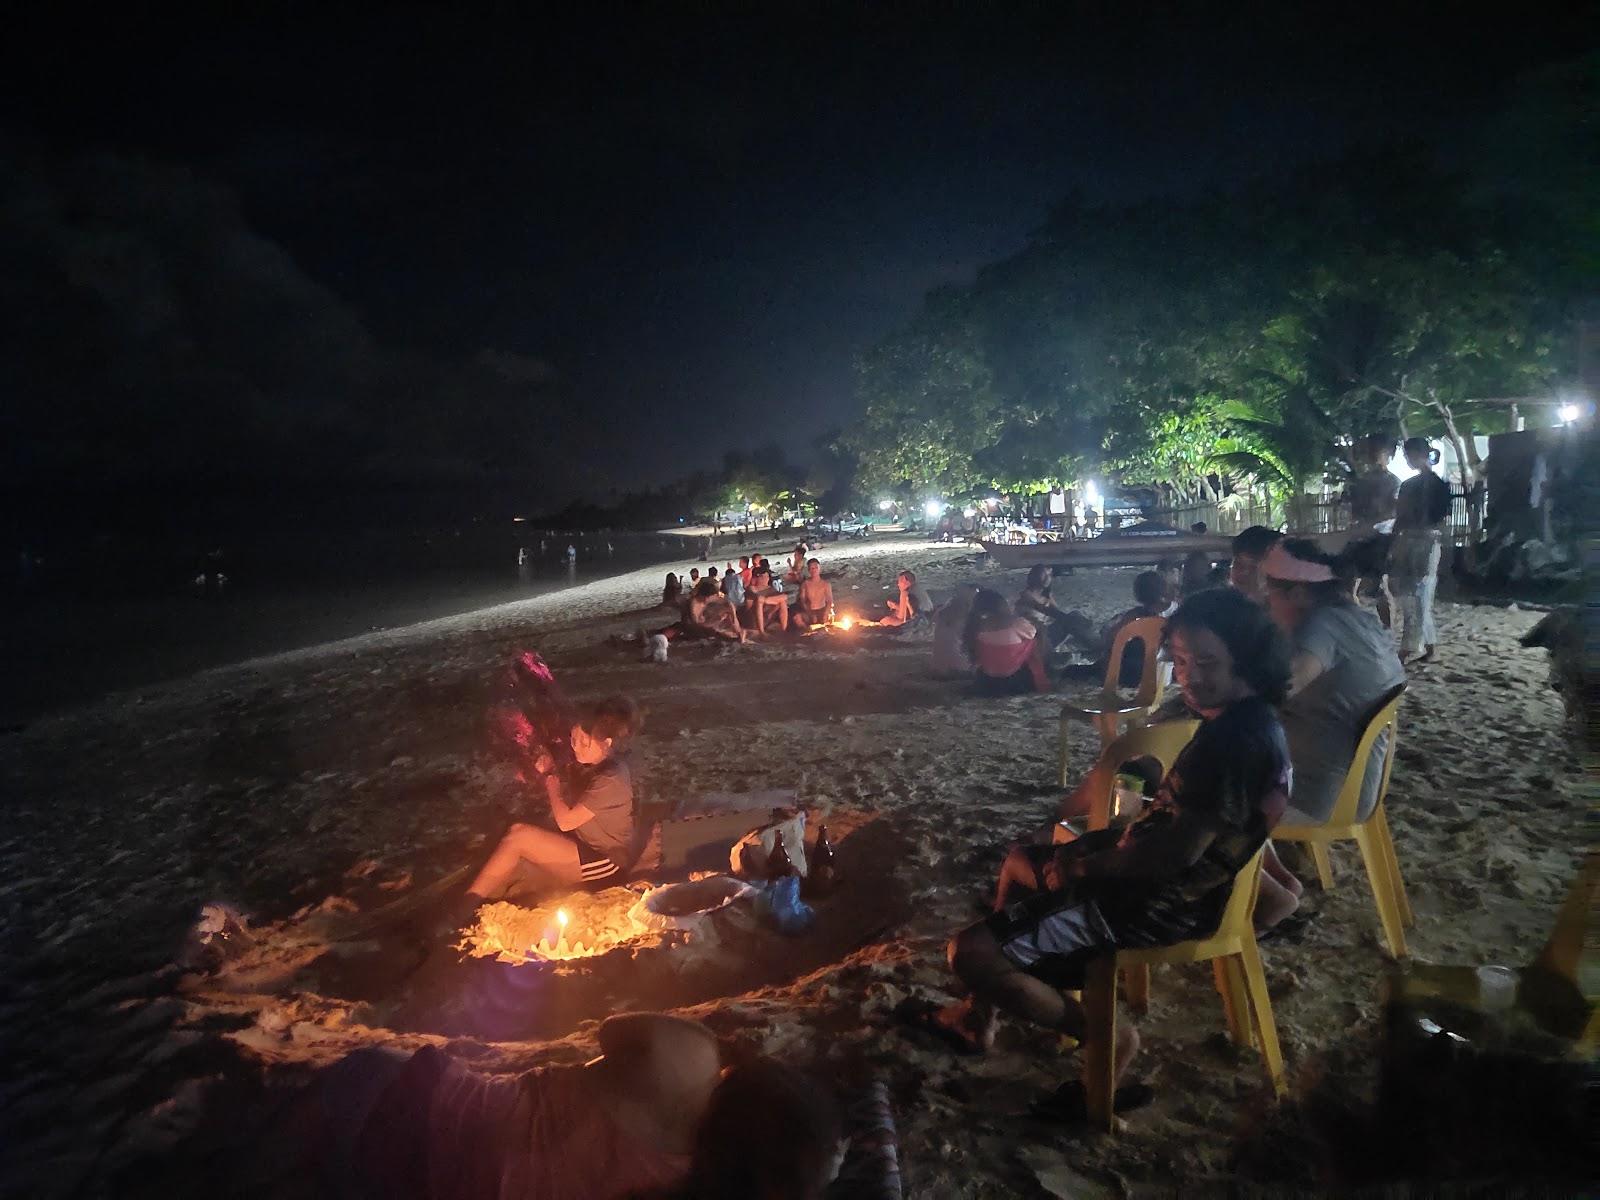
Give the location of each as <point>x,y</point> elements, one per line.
<point>789,913</point>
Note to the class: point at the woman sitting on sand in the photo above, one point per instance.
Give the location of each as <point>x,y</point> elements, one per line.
<point>593,837</point>
<point>797,564</point>
<point>910,602</point>
<point>658,1116</point>
<point>672,594</point>
<point>1005,650</point>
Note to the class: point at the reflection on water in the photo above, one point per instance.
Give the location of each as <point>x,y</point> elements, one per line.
<point>92,623</point>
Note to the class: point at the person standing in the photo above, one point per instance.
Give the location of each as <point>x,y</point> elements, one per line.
<point>572,554</point>
<point>1421,510</point>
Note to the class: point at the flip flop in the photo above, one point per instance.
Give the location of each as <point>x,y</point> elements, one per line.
<point>921,1015</point>
<point>1292,928</point>
<point>1070,1102</point>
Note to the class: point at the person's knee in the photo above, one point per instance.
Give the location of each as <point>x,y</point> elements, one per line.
<point>973,953</point>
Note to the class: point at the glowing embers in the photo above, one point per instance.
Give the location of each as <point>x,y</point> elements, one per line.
<point>843,623</point>
<point>581,925</point>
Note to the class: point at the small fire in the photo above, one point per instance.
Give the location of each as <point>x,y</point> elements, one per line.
<point>846,622</point>
<point>561,919</point>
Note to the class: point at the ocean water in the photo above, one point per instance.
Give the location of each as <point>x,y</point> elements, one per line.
<point>82,626</point>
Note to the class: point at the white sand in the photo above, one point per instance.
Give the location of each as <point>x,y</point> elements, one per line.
<point>267,781</point>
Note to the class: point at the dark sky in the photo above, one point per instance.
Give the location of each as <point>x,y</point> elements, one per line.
<point>678,223</point>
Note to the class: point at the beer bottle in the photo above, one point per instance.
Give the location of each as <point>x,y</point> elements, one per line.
<point>779,863</point>
<point>824,876</point>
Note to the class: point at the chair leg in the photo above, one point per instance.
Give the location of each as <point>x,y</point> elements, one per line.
<point>1235,1001</point>
<point>1261,1008</point>
<point>1062,755</point>
<point>1136,980</point>
<point>1372,857</point>
<point>1397,884</point>
<point>1100,1036</point>
<point>1319,855</point>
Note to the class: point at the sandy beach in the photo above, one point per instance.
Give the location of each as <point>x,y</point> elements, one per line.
<point>360,770</point>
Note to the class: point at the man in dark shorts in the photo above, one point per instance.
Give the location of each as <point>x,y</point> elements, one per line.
<point>1166,877</point>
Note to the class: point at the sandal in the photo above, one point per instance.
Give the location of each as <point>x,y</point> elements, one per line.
<point>1292,928</point>
<point>923,1016</point>
<point>1070,1102</point>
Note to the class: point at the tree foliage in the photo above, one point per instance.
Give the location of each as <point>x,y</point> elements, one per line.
<point>1250,337</point>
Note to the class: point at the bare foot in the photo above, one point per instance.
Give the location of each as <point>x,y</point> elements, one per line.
<point>974,1024</point>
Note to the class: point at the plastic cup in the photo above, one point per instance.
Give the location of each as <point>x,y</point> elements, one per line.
<point>1497,988</point>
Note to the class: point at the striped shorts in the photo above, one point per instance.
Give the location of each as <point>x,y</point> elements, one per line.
<point>594,865</point>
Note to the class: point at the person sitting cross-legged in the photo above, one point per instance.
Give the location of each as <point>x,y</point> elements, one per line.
<point>1166,877</point>
<point>814,605</point>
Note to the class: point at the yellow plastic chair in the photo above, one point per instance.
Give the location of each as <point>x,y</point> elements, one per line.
<point>1372,835</point>
<point>1163,741</point>
<point>1108,710</point>
<point>1240,980</point>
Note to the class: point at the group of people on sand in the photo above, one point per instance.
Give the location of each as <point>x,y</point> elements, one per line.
<point>748,601</point>
<point>1283,668</point>
<point>1278,662</point>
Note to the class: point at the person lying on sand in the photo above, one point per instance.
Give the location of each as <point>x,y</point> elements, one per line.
<point>1165,877</point>
<point>814,606</point>
<point>1035,604</point>
<point>1006,651</point>
<point>593,838</point>
<point>663,1114</point>
<point>911,601</point>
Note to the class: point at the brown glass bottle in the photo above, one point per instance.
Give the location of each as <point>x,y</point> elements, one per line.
<point>824,874</point>
<point>779,863</point>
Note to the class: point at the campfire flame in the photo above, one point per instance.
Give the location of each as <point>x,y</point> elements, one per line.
<point>513,934</point>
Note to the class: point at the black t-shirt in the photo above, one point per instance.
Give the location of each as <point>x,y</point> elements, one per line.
<point>1234,775</point>
<point>1424,502</point>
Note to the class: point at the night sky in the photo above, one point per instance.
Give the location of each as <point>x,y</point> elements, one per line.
<point>657,233</point>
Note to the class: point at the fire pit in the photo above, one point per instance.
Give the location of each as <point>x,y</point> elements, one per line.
<point>582,925</point>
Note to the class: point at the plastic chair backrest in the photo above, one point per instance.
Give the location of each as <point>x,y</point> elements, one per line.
<point>1236,916</point>
<point>1163,741</point>
<point>1387,717</point>
<point>1141,629</point>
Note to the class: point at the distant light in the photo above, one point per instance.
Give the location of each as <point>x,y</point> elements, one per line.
<point>1399,467</point>
<point>934,508</point>
<point>969,512</point>
<point>1569,413</point>
<point>1091,494</point>
<point>519,520</point>
<point>885,505</point>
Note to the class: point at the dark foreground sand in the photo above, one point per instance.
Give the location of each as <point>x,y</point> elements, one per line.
<point>361,770</point>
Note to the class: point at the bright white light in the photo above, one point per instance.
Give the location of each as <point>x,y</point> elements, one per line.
<point>969,512</point>
<point>885,505</point>
<point>1091,495</point>
<point>1569,413</point>
<point>934,508</point>
<point>1399,467</point>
